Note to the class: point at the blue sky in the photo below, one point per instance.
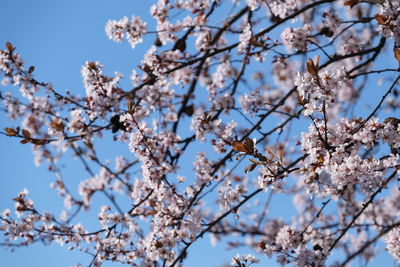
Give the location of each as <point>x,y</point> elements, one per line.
<point>57,37</point>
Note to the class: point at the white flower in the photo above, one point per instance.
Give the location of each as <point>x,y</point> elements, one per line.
<point>133,29</point>
<point>244,39</point>
<point>393,243</point>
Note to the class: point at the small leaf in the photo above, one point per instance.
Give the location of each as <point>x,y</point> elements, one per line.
<point>18,199</point>
<point>381,19</point>
<point>351,3</point>
<point>262,245</point>
<point>24,141</point>
<point>256,42</point>
<point>92,66</point>
<point>281,154</point>
<point>10,47</point>
<point>152,203</point>
<point>197,10</point>
<point>397,53</point>
<point>317,247</point>
<point>392,120</point>
<point>10,131</point>
<point>26,133</point>
<point>237,178</point>
<point>21,208</point>
<point>254,161</point>
<point>158,42</point>
<point>249,144</point>
<point>180,45</point>
<point>31,69</point>
<point>88,144</point>
<point>311,67</point>
<point>38,142</point>
<point>152,212</point>
<point>250,167</point>
<point>57,125</point>
<point>239,146</point>
<point>116,124</point>
<point>130,105</point>
<point>158,244</point>
<point>326,31</point>
<point>189,110</point>
<point>317,62</point>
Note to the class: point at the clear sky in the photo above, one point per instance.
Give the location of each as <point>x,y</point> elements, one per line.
<point>57,37</point>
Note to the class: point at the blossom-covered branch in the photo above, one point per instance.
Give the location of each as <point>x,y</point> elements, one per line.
<point>281,85</point>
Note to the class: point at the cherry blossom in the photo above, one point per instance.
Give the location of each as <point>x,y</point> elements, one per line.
<point>233,105</point>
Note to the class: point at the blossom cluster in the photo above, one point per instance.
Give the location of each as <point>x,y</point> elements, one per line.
<point>227,122</point>
<point>202,124</point>
<point>393,243</point>
<point>296,38</point>
<point>133,30</point>
<point>334,155</point>
<point>389,21</point>
<point>319,90</point>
